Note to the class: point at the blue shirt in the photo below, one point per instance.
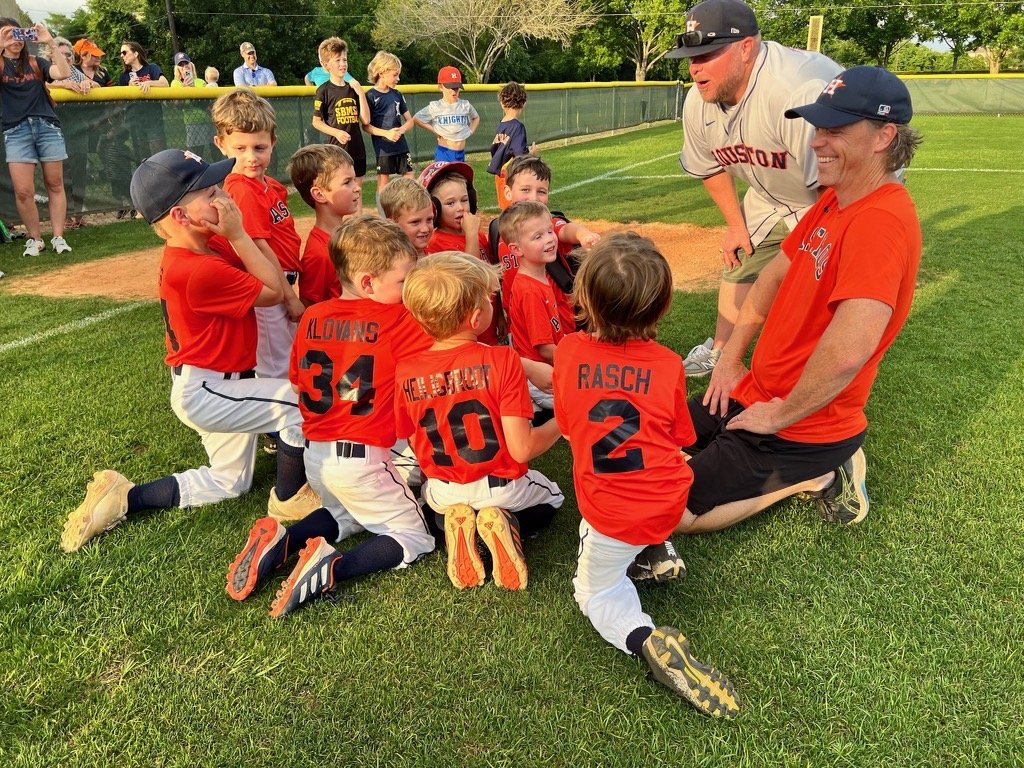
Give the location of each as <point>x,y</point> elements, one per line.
<point>245,75</point>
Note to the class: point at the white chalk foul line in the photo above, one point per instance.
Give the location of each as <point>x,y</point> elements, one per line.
<point>74,325</point>
<point>613,173</point>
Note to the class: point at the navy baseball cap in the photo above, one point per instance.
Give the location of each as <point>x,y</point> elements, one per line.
<point>181,58</point>
<point>714,24</point>
<point>161,181</point>
<point>859,93</point>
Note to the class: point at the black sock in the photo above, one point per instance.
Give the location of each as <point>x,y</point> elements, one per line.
<point>635,640</point>
<point>159,494</point>
<point>381,553</point>
<point>533,519</point>
<point>319,522</point>
<point>291,471</point>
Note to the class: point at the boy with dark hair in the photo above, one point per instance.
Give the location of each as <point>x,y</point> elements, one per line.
<point>509,137</point>
<point>211,277</point>
<point>343,367</point>
<point>325,178</point>
<point>466,411</point>
<point>620,399</point>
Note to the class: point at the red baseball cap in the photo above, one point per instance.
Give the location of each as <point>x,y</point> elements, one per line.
<point>437,170</point>
<point>449,77</point>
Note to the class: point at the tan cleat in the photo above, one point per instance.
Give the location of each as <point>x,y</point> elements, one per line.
<point>105,507</point>
<point>667,653</point>
<point>465,568</point>
<point>500,534</point>
<point>297,507</point>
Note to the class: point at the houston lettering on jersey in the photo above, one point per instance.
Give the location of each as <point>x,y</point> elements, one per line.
<point>819,247</point>
<point>746,154</point>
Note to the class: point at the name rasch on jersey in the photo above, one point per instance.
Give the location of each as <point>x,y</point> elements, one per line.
<point>628,378</point>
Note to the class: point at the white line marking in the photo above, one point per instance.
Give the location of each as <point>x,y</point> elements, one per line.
<point>610,174</point>
<point>74,325</point>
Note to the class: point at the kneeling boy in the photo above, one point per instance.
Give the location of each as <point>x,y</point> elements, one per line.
<point>466,410</point>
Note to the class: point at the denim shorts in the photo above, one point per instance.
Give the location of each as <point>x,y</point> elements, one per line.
<point>34,140</point>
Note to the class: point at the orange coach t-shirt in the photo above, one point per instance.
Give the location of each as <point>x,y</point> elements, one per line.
<point>623,409</point>
<point>318,279</point>
<point>868,250</point>
<point>343,363</point>
<point>450,403</point>
<point>207,302</point>
<point>265,215</point>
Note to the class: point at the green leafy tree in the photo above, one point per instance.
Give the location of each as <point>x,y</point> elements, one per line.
<point>880,29</point>
<point>476,33</point>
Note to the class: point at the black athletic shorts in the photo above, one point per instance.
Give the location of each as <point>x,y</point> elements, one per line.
<point>734,465</point>
<point>394,165</point>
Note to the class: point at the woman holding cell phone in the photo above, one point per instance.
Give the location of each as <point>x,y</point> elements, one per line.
<point>32,134</point>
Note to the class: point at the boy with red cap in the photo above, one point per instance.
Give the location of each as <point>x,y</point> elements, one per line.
<point>451,119</point>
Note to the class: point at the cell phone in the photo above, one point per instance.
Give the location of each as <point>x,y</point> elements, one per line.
<point>25,34</point>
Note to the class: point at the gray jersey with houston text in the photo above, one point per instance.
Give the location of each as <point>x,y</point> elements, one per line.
<point>755,142</point>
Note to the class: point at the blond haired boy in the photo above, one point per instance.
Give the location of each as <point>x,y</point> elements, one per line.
<point>408,204</point>
<point>465,408</point>
<point>343,368</point>
<point>324,177</point>
<point>389,120</point>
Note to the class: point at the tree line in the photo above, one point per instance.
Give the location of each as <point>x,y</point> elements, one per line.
<point>542,40</point>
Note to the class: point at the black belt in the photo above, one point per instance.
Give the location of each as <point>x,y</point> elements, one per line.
<point>497,482</point>
<point>346,450</point>
<point>291,277</point>
<point>250,374</point>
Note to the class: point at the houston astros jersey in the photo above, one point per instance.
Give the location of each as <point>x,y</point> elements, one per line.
<point>755,142</point>
<point>450,403</point>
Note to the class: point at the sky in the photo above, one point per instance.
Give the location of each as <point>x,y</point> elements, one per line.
<point>38,10</point>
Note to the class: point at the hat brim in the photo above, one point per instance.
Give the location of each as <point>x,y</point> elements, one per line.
<point>700,50</point>
<point>823,115</point>
<point>452,86</point>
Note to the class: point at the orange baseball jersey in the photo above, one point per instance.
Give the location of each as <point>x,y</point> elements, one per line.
<point>318,279</point>
<point>533,315</point>
<point>836,254</point>
<point>265,215</point>
<point>450,403</point>
<point>343,364</point>
<point>623,409</point>
<point>445,241</point>
<point>207,302</point>
<point>510,264</point>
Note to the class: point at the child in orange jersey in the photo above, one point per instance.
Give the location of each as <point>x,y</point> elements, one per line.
<point>466,410</point>
<point>620,399</point>
<point>408,204</point>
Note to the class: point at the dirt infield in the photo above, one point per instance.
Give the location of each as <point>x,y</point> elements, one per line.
<point>691,251</point>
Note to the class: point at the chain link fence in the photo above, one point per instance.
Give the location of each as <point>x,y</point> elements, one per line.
<point>110,131</point>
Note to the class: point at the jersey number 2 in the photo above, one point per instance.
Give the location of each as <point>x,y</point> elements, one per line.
<point>633,458</point>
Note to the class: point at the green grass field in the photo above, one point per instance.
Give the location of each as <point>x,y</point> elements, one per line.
<point>897,642</point>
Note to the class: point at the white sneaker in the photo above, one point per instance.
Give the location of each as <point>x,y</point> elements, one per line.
<point>701,359</point>
<point>60,245</point>
<point>34,247</point>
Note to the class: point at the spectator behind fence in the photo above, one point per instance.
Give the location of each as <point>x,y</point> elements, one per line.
<point>89,57</point>
<point>76,141</point>
<point>199,130</point>
<point>145,119</point>
<point>32,134</point>
<point>251,73</point>
<point>212,77</point>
